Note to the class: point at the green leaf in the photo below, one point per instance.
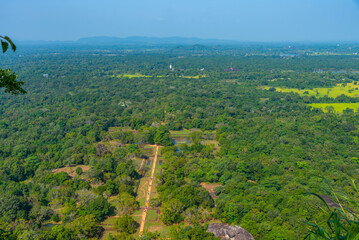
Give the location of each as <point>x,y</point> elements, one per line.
<point>13,46</point>
<point>4,46</point>
<point>356,237</point>
<point>318,196</point>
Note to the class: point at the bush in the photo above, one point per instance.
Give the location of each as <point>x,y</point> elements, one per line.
<point>78,171</point>
<point>126,224</point>
<point>100,208</point>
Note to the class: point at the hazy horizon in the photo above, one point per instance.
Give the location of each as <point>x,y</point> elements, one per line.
<point>237,20</point>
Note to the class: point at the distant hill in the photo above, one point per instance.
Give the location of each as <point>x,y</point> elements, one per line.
<point>150,41</point>
<point>135,41</point>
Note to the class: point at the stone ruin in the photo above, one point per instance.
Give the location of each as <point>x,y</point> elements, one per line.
<point>229,232</point>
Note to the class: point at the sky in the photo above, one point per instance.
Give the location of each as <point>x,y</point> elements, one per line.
<point>243,20</point>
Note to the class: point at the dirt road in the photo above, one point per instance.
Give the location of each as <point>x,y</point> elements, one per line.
<point>148,194</point>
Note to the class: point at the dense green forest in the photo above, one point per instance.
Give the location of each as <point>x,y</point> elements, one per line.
<point>271,148</point>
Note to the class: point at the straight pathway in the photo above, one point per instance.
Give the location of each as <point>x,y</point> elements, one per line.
<point>148,196</point>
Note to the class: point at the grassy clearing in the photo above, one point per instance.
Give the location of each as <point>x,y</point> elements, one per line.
<point>194,77</point>
<point>149,151</point>
<point>338,107</point>
<point>158,167</point>
<point>142,191</point>
<point>348,89</point>
<point>153,226</point>
<point>115,129</point>
<point>109,221</point>
<point>151,215</point>
<point>163,229</point>
<point>149,224</point>
<point>107,234</point>
<point>182,133</point>
<point>213,143</point>
<point>154,193</point>
<point>136,75</point>
<point>137,218</point>
<point>137,213</point>
<point>186,132</point>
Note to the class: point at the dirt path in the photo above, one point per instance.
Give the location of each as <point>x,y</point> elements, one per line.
<point>148,196</point>
<point>143,191</point>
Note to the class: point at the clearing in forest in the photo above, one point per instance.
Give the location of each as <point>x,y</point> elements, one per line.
<point>71,171</point>
<point>137,75</point>
<point>194,77</point>
<point>210,188</point>
<point>348,89</point>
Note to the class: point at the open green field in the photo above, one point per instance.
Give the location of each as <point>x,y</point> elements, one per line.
<point>194,77</point>
<point>136,75</point>
<point>142,191</point>
<point>348,89</point>
<point>182,133</point>
<point>139,75</point>
<point>338,107</point>
<point>151,215</point>
<point>109,221</point>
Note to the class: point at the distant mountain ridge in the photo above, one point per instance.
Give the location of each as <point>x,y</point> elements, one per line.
<point>151,40</point>
<point>136,40</point>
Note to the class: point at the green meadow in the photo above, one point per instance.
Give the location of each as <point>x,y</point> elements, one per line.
<point>194,77</point>
<point>181,133</point>
<point>139,75</point>
<point>348,89</point>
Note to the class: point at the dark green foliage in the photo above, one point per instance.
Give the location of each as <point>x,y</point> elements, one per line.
<point>271,146</point>
<point>162,136</point>
<point>196,232</point>
<point>99,208</point>
<point>126,137</point>
<point>13,207</point>
<point>150,236</point>
<point>84,227</point>
<point>59,232</point>
<point>8,80</point>
<point>126,224</point>
<point>57,178</point>
<point>78,171</point>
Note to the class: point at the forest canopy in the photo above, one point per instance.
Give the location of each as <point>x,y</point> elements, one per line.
<point>76,151</point>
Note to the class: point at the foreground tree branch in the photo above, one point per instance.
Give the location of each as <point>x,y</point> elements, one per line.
<point>8,79</point>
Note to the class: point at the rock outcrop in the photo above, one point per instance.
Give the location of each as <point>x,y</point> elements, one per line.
<point>229,232</point>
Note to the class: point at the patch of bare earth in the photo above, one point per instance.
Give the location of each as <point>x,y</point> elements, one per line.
<point>155,228</point>
<point>210,188</point>
<point>71,171</point>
